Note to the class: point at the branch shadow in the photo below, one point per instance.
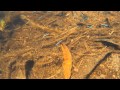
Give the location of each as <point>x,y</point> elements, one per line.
<point>104,58</point>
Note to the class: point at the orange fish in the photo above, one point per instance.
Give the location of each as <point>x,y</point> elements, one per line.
<point>67,62</point>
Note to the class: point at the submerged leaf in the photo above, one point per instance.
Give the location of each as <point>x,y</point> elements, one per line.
<point>67,62</point>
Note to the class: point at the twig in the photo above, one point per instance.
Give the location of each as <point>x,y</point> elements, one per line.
<point>92,71</point>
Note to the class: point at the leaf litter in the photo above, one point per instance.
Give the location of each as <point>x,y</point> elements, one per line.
<point>77,33</point>
<point>67,62</point>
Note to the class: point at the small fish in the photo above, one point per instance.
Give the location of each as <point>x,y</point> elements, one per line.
<point>59,42</point>
<point>108,42</point>
<point>46,34</point>
<point>84,17</point>
<point>89,26</point>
